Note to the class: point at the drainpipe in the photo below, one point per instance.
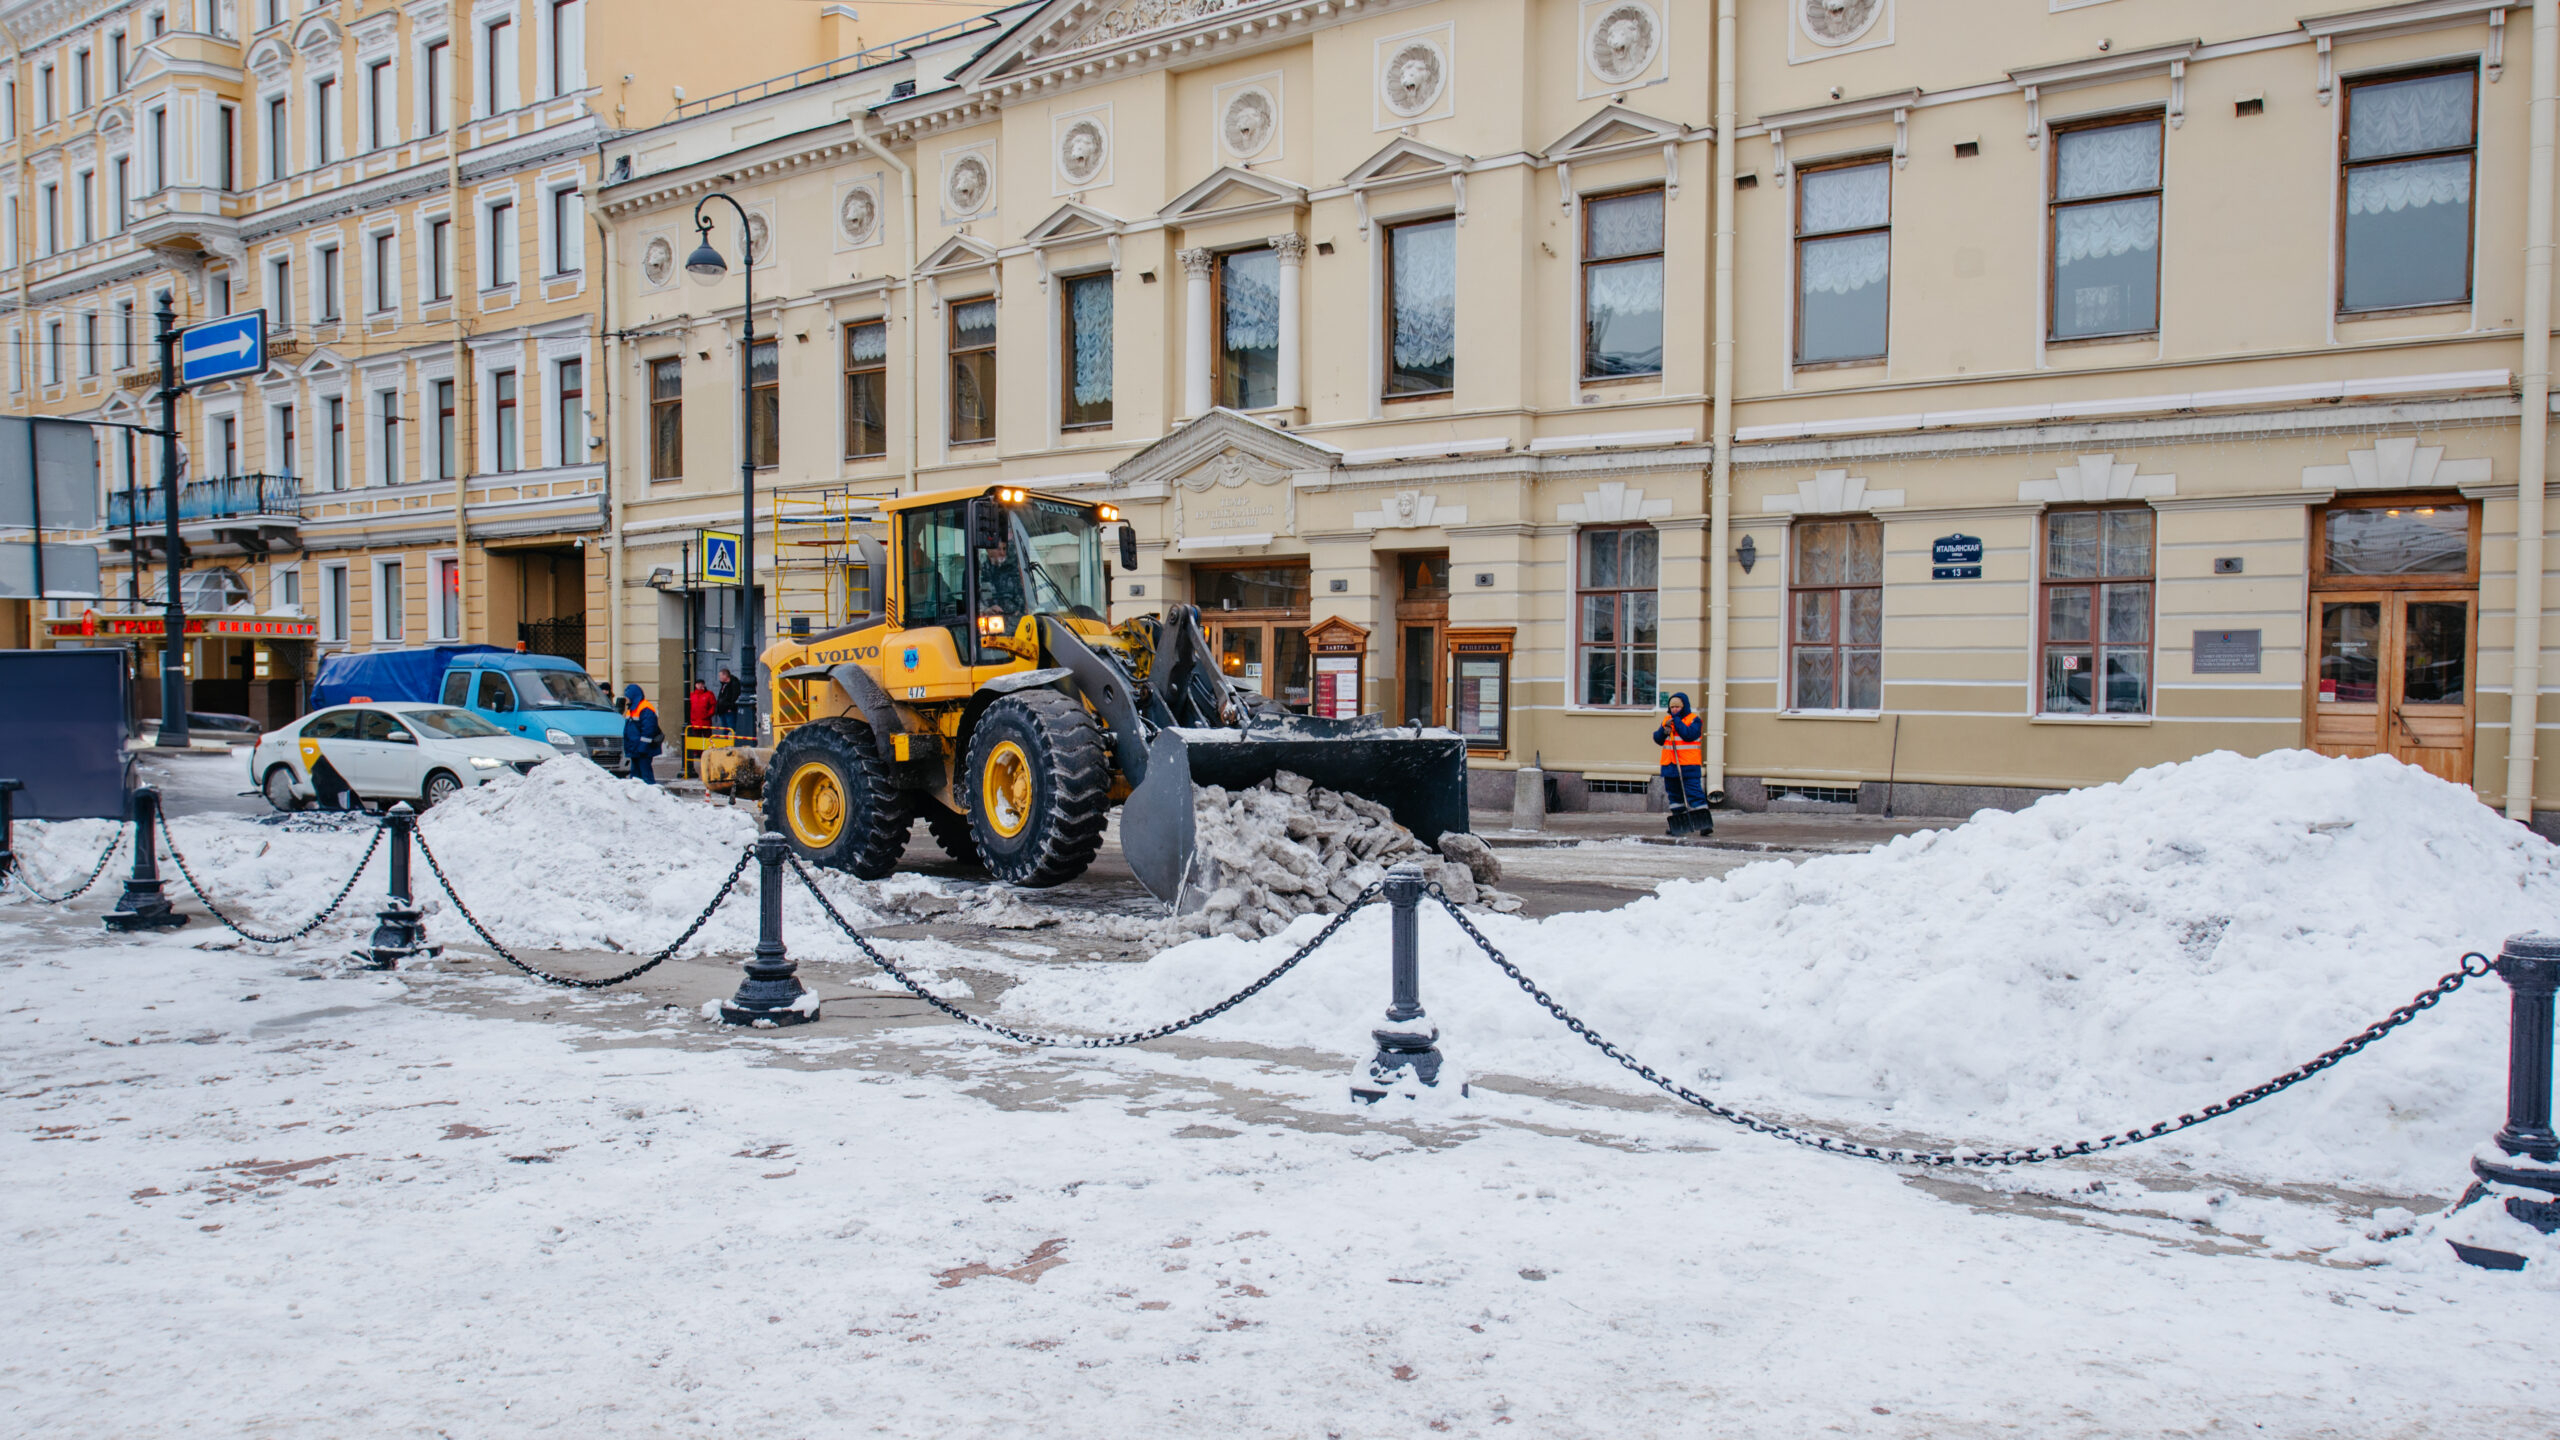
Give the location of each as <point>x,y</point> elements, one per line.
<point>1720,426</point>
<point>906,208</point>
<point>2524,695</point>
<point>610,354</point>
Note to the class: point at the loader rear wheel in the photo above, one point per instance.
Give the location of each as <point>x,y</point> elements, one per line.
<point>951,831</point>
<point>828,794</point>
<point>1038,788</point>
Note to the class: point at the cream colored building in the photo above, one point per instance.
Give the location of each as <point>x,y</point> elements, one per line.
<point>402,188</point>
<point>2099,383</point>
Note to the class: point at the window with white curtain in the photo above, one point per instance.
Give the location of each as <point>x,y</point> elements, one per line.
<point>1084,313</point>
<point>2410,148</point>
<point>1844,261</point>
<point>1422,307</point>
<point>1248,300</point>
<point>1622,285</point>
<point>2106,230</point>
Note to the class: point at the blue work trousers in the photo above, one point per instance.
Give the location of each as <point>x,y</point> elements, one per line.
<point>1685,786</point>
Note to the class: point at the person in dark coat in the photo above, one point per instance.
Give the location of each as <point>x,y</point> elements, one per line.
<point>1682,736</point>
<point>640,735</point>
<point>730,693</point>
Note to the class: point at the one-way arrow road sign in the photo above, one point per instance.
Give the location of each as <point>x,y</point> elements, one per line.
<point>218,349</point>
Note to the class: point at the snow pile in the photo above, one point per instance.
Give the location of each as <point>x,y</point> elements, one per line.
<point>1289,847</point>
<point>2104,958</point>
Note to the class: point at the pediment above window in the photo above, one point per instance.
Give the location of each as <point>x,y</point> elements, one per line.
<point>1616,130</point>
<point>1230,192</point>
<point>1224,448</point>
<point>960,252</point>
<point>1070,223</point>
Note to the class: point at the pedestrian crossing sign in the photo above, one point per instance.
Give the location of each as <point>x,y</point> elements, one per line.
<point>718,555</point>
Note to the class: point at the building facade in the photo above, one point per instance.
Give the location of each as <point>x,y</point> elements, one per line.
<point>402,188</point>
<point>2178,383</point>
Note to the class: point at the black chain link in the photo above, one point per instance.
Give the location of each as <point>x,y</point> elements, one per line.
<point>2473,966</point>
<point>718,898</point>
<point>170,838</point>
<point>18,872</point>
<point>1094,1042</point>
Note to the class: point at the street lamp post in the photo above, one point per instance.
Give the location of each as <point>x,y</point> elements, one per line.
<point>173,651</point>
<point>707,268</point>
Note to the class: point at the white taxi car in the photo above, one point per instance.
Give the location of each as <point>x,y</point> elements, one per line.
<point>385,753</point>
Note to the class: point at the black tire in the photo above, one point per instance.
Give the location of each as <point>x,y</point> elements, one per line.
<point>829,796</point>
<point>953,832</point>
<point>1055,748</point>
<point>278,788</point>
<point>441,786</point>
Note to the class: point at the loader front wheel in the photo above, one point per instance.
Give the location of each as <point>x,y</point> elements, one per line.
<point>1038,787</point>
<point>828,794</point>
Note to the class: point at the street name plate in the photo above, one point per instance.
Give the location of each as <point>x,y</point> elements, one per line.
<point>1955,557</point>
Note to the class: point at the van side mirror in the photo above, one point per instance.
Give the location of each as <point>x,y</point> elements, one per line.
<point>1128,547</point>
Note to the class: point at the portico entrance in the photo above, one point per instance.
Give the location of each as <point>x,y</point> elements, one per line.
<point>2394,610</point>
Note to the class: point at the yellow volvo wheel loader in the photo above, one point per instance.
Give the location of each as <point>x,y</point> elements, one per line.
<point>987,692</point>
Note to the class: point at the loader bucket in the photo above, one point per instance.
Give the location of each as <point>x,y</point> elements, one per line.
<point>1421,778</point>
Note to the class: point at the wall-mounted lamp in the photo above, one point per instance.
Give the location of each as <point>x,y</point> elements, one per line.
<point>662,577</point>
<point>1749,554</point>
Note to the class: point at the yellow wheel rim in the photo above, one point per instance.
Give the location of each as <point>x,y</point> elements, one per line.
<point>1004,791</point>
<point>813,805</point>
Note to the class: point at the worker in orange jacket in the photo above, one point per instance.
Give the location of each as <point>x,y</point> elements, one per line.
<point>1682,737</point>
<point>640,735</point>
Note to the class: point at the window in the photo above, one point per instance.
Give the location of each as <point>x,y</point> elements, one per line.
<point>8,109</point>
<point>569,406</point>
<point>156,127</point>
<point>2097,612</point>
<point>433,83</point>
<point>89,343</point>
<point>498,87</point>
<point>274,13</point>
<point>567,244</point>
<point>503,385</point>
<point>386,272</point>
<point>324,121</point>
<point>280,292</point>
<point>445,453</point>
<point>120,193</point>
<point>44,95</point>
<point>333,602</point>
<point>124,335</point>
<point>1844,246</point>
<point>444,613</point>
<point>328,282</point>
<point>502,244</point>
<point>390,602</point>
<point>1618,616</point>
<point>1084,346</point>
<point>285,594</point>
<point>335,408</point>
<point>666,418</point>
<point>2106,231</point>
<point>1835,597</point>
<point>84,190</point>
<point>386,404</point>
<point>288,459</point>
<point>1248,349</point>
<point>79,80</point>
<point>222,294</point>
<point>568,45</point>
<point>764,403</point>
<point>1622,286</point>
<point>866,390</point>
<point>440,258</point>
<point>159,23</point>
<point>380,92</point>
<point>53,352</point>
<point>226,432</point>
<point>1421,263</point>
<point>115,63</point>
<point>973,371</point>
<point>279,141</point>
<point>52,218</point>
<point>228,159</point>
<point>2410,143</point>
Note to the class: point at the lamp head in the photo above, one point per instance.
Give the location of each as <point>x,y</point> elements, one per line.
<point>705,264</point>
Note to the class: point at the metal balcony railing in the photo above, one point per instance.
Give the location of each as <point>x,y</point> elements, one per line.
<point>843,65</point>
<point>225,498</point>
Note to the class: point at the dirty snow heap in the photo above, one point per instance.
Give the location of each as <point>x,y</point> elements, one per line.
<point>1290,847</point>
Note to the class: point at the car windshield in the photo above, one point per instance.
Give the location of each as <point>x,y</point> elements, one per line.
<point>459,724</point>
<point>1061,547</point>
<point>562,690</point>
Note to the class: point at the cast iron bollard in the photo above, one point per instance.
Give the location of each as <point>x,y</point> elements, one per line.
<point>772,991</point>
<point>2528,1183</point>
<point>143,906</point>
<point>1406,1039</point>
<point>8,825</point>
<point>400,931</point>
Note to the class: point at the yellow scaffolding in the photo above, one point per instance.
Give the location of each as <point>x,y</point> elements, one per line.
<point>822,563</point>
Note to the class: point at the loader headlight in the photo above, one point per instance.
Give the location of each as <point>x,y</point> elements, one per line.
<point>990,624</point>
<point>560,740</point>
<point>483,762</point>
<point>1010,497</point>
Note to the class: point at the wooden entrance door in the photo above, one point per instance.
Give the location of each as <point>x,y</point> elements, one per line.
<point>2393,677</point>
<point>1422,637</point>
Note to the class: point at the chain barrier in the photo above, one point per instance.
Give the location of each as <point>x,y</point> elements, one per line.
<point>1091,1042</point>
<point>170,839</point>
<point>18,872</point>
<point>718,898</point>
<point>2472,967</point>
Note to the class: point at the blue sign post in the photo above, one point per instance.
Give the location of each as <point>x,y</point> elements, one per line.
<point>220,349</point>
<point>719,557</point>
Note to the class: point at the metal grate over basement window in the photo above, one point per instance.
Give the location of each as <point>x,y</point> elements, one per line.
<point>1617,787</point>
<point>1817,794</point>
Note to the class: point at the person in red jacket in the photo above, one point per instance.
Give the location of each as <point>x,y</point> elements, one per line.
<point>699,706</point>
<point>1682,736</point>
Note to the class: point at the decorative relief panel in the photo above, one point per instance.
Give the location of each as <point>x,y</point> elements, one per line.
<point>858,213</point>
<point>1081,144</point>
<point>1824,28</point>
<point>1247,116</point>
<point>968,185</point>
<point>2396,463</point>
<point>1234,496</point>
<point>1414,79</point>
<point>658,262</point>
<point>1410,510</point>
<point>1623,46</point>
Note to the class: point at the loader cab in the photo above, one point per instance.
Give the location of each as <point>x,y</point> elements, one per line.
<point>971,568</point>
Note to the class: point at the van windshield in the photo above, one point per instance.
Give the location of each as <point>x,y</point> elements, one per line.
<point>561,690</point>
<point>460,724</point>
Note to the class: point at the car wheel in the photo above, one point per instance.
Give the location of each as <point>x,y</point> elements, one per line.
<point>278,788</point>
<point>441,786</point>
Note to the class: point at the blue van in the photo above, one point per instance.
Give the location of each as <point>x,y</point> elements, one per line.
<point>540,697</point>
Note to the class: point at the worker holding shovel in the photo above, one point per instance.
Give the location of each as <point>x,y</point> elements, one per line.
<point>1682,738</point>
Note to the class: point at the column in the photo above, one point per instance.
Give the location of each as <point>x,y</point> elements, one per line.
<point>1293,252</point>
<point>1199,328</point>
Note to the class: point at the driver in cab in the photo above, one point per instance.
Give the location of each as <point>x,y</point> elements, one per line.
<point>1000,580</point>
